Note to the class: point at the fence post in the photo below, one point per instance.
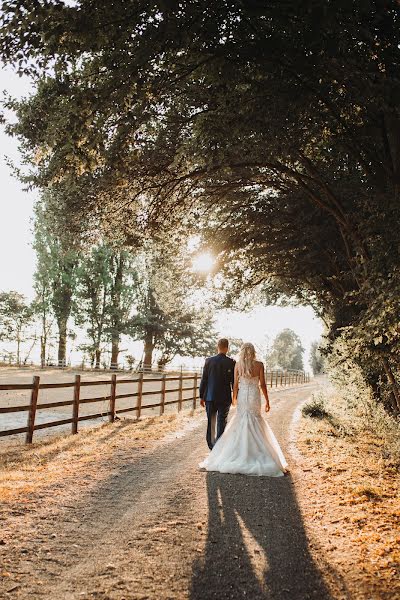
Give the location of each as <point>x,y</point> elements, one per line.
<point>280,383</point>
<point>32,409</point>
<point>180,392</point>
<point>272,377</point>
<point>112,397</point>
<point>75,406</point>
<point>195,392</point>
<point>139,397</point>
<point>162,405</point>
<point>276,378</point>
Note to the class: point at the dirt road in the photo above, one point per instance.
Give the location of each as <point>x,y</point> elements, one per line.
<point>158,528</point>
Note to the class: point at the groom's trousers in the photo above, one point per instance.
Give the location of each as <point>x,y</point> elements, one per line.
<point>217,414</point>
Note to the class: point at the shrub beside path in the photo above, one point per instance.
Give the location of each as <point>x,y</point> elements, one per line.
<point>122,512</point>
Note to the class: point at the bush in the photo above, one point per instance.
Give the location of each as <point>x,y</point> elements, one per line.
<point>315,409</point>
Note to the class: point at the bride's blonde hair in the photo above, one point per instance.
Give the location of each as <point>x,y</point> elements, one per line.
<point>247,357</point>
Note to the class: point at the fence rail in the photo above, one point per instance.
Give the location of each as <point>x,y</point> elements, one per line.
<point>274,378</point>
<point>86,365</point>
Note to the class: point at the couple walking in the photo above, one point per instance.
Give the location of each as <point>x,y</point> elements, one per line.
<point>247,444</point>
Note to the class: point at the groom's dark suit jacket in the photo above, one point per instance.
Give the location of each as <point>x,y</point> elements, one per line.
<point>217,380</point>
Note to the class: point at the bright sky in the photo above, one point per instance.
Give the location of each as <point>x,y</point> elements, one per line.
<point>17,207</point>
<point>18,258</point>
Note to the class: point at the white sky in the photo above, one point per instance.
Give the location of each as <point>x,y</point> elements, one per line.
<point>18,258</point>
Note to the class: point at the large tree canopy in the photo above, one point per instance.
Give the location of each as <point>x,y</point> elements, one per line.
<point>275,124</point>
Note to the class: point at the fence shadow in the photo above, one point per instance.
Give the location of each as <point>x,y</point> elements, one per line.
<point>256,546</point>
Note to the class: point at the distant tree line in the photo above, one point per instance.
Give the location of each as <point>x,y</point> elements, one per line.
<point>285,352</point>
<point>107,291</point>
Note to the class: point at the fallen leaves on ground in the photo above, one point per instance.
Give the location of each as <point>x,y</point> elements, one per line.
<point>349,495</point>
<point>53,464</point>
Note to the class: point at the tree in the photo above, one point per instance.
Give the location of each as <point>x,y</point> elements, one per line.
<point>15,318</point>
<point>287,351</point>
<point>316,358</point>
<point>42,304</point>
<point>57,252</point>
<point>193,335</point>
<point>170,319</point>
<point>93,282</point>
<point>234,345</point>
<point>123,295</point>
<point>105,297</point>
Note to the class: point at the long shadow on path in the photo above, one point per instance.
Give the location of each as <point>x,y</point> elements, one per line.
<point>256,546</point>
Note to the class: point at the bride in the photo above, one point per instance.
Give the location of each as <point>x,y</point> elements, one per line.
<point>248,444</point>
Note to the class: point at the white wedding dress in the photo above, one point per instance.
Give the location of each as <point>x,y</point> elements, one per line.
<point>248,444</point>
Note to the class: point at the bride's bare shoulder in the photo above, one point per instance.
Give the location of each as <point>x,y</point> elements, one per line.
<point>258,367</point>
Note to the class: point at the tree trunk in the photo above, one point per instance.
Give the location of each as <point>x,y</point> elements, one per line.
<point>43,343</point>
<point>393,404</point>
<point>392,125</point>
<point>97,358</point>
<point>392,381</point>
<point>148,349</point>
<point>116,305</point>
<point>114,350</point>
<point>62,342</point>
<point>18,349</point>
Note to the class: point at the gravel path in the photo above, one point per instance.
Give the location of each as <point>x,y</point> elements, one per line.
<point>157,528</point>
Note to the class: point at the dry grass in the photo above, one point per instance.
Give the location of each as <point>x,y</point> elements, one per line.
<point>45,464</point>
<point>350,494</point>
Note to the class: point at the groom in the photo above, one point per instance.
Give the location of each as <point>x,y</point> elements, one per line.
<point>216,390</point>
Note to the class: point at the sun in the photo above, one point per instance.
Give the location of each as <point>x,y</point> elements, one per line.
<point>203,263</point>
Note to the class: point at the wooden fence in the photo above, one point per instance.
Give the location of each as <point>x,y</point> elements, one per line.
<point>274,378</point>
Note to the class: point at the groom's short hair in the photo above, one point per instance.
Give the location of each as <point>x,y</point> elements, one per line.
<point>223,343</point>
